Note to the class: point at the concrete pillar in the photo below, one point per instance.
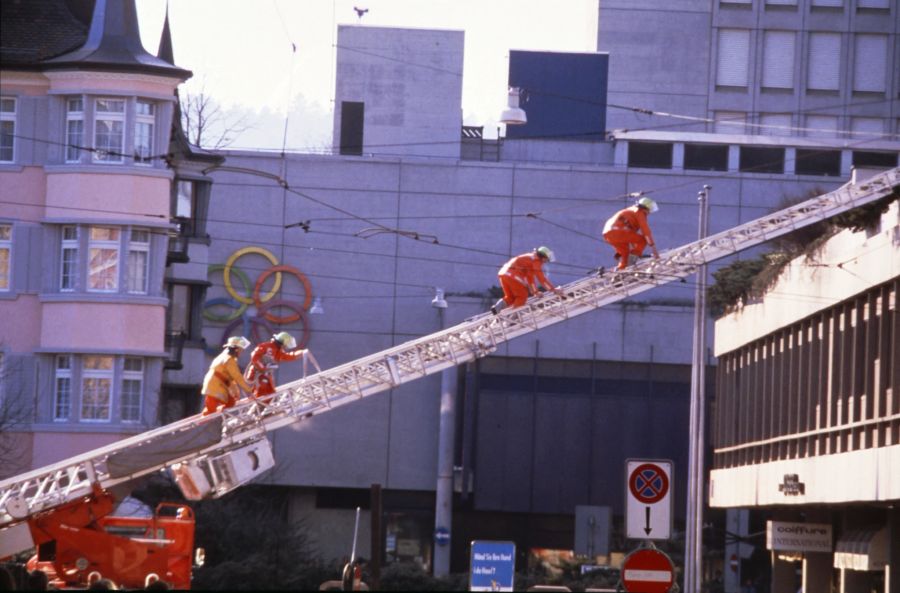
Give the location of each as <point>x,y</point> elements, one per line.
<point>817,571</point>
<point>790,161</point>
<point>846,162</point>
<point>678,156</point>
<point>892,570</point>
<point>620,159</point>
<point>784,575</point>
<point>734,157</point>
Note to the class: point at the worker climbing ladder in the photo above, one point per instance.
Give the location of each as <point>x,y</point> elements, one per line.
<point>212,455</point>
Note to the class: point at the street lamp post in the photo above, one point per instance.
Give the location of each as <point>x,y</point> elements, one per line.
<point>693,547</point>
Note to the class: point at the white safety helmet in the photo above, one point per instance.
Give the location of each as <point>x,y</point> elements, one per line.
<point>648,203</point>
<point>546,253</point>
<point>286,340</point>
<point>237,342</point>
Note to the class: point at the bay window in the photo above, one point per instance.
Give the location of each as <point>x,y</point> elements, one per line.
<point>109,130</point>
<point>143,132</point>
<point>7,129</point>
<point>62,391</point>
<point>68,272</point>
<point>96,388</point>
<point>138,261</point>
<point>5,256</point>
<point>103,259</point>
<point>132,389</point>
<point>74,129</point>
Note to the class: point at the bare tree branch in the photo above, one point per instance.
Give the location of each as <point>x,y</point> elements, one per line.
<point>206,124</point>
<point>14,416</point>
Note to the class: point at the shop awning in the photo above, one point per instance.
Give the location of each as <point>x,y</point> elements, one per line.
<point>862,549</point>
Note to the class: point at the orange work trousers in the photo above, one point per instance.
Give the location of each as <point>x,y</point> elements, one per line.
<point>514,292</point>
<point>212,404</point>
<point>625,243</point>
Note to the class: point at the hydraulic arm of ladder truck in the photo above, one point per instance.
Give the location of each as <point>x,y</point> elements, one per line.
<point>69,502</point>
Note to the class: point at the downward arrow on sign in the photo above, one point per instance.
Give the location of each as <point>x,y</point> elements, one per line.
<point>647,528</point>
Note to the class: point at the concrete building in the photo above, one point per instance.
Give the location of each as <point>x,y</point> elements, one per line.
<point>84,221</point>
<point>806,416</point>
<point>823,69</point>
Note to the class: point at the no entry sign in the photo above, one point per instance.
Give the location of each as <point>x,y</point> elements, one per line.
<point>647,571</point>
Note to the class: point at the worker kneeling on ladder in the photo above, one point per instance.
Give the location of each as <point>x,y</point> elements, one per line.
<point>265,358</point>
<point>223,381</point>
<point>628,232</point>
<point>517,277</point>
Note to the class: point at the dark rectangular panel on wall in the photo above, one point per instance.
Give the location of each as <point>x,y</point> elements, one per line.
<point>564,94</point>
<point>352,118</point>
<point>543,452</point>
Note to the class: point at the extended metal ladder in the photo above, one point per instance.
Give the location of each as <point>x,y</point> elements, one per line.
<point>199,440</point>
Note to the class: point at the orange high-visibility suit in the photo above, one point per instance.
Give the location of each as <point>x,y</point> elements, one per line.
<point>262,362</point>
<point>221,383</point>
<point>517,278</point>
<point>628,232</point>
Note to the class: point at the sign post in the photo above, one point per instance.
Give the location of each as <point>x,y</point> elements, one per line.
<point>648,494</point>
<point>492,566</point>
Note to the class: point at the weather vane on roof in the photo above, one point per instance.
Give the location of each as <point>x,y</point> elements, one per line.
<point>360,11</point>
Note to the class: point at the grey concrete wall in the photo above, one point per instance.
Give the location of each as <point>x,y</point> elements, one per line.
<point>377,291</point>
<point>410,81</point>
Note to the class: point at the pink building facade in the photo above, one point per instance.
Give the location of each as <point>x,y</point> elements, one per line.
<point>86,192</point>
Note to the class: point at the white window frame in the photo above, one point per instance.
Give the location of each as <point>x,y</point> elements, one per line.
<point>62,388</point>
<point>733,58</point>
<point>870,63</point>
<point>113,150</point>
<point>74,139</point>
<point>130,400</point>
<point>103,378</point>
<point>822,126</point>
<point>144,128</point>
<point>68,258</point>
<point>138,261</point>
<point>6,253</point>
<point>781,120</point>
<point>735,122</point>
<point>824,72</point>
<point>8,106</point>
<point>779,51</point>
<point>96,247</point>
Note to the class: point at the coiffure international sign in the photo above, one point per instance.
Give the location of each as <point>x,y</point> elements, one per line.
<point>798,537</point>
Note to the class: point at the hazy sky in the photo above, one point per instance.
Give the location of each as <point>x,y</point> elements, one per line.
<point>241,52</point>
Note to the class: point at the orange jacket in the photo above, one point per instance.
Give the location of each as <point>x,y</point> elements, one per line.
<point>223,375</point>
<point>265,356</point>
<point>526,268</point>
<point>632,219</point>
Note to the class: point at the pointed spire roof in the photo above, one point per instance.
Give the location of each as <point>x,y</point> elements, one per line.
<point>114,43</point>
<point>165,51</point>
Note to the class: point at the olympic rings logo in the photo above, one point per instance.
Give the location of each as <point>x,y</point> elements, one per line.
<point>266,305</point>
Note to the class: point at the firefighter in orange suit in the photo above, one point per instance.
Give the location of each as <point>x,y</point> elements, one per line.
<point>518,275</point>
<point>628,232</point>
<point>223,380</point>
<point>264,360</point>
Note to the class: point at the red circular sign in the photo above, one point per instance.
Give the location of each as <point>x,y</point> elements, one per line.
<point>648,483</point>
<point>647,571</point>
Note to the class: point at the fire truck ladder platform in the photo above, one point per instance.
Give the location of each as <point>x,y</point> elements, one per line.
<point>195,439</point>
